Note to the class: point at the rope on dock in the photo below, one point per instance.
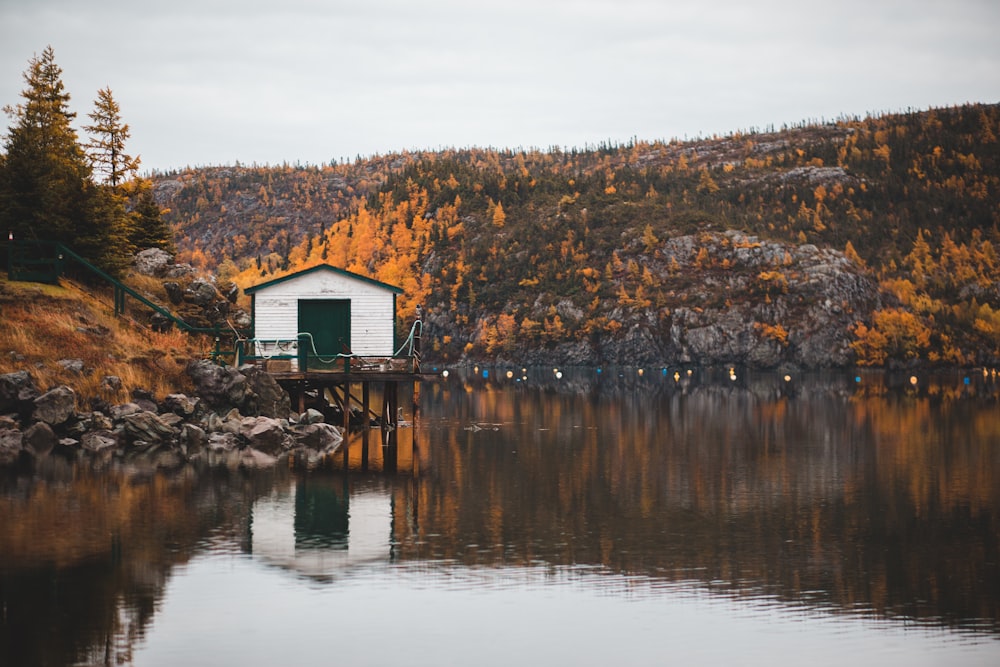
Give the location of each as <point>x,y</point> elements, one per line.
<point>279,346</point>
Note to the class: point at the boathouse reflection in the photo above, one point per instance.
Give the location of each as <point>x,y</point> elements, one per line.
<point>320,527</point>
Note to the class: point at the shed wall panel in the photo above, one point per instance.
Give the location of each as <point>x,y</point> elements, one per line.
<point>372,313</point>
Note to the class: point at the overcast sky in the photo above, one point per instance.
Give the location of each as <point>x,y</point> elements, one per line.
<point>212,82</point>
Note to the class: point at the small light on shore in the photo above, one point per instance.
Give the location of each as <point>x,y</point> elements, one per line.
<point>641,372</point>
<point>788,378</point>
<point>444,373</point>
<point>559,375</point>
<point>510,374</point>
<point>689,372</point>
<point>913,380</point>
<point>677,376</point>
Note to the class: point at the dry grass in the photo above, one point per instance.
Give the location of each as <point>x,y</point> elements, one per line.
<point>41,324</point>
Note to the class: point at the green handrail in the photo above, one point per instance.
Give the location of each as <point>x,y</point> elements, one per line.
<point>61,253</point>
<point>121,290</point>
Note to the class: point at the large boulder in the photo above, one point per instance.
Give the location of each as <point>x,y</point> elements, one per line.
<point>152,261</point>
<point>55,406</point>
<point>180,404</point>
<point>148,427</point>
<point>264,396</point>
<point>221,387</point>
<point>17,391</point>
<point>263,434</point>
<point>202,293</point>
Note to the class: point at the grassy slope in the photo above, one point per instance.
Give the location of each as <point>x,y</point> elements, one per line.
<point>42,324</point>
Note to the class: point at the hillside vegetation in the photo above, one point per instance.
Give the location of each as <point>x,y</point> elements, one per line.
<point>69,335</point>
<point>862,240</point>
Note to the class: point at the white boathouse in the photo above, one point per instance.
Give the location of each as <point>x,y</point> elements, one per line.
<point>324,313</point>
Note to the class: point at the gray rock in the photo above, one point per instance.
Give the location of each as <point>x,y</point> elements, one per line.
<point>74,366</point>
<point>147,426</point>
<point>180,404</point>
<point>39,440</point>
<point>312,416</point>
<point>152,261</point>
<point>119,412</point>
<point>11,445</point>
<point>55,406</point>
<point>263,434</point>
<point>221,387</point>
<point>16,390</point>
<point>172,420</point>
<point>201,292</point>
<point>264,395</point>
<point>99,442</point>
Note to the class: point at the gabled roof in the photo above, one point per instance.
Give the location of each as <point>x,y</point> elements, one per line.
<point>323,267</point>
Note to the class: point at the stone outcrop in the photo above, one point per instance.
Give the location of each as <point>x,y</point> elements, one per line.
<point>239,418</point>
<point>197,300</point>
<point>220,387</point>
<point>723,299</point>
<point>17,392</point>
<point>55,406</point>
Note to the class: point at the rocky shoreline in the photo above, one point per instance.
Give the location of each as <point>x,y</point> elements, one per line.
<point>238,418</point>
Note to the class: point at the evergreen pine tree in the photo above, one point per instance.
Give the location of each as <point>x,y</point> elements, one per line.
<point>147,227</point>
<point>46,186</point>
<point>43,184</point>
<point>106,147</point>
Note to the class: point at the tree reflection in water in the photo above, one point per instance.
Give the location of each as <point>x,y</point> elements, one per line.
<point>875,497</point>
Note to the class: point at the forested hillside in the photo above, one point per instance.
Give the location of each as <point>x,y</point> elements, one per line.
<point>863,240</point>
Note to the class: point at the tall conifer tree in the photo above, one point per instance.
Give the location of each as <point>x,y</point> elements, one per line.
<point>46,187</point>
<point>43,184</point>
<point>142,224</point>
<point>108,135</point>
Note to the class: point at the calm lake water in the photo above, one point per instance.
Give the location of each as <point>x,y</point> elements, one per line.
<point>591,519</point>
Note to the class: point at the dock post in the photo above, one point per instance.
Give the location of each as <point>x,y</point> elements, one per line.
<point>347,425</point>
<point>391,436</point>
<point>366,428</point>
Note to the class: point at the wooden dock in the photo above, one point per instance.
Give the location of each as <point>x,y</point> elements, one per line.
<point>362,383</point>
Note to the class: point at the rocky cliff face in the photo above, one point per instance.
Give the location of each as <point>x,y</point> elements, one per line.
<point>732,299</point>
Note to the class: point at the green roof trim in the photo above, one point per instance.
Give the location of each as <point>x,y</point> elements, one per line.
<point>323,267</point>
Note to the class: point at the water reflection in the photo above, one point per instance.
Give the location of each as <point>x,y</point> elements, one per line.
<point>853,497</point>
<point>84,558</point>
<point>864,497</point>
<point>321,527</point>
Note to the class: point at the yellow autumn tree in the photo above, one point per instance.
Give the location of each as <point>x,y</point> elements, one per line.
<point>893,334</point>
<point>499,217</point>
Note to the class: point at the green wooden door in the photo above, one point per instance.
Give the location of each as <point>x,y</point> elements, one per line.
<point>329,323</point>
